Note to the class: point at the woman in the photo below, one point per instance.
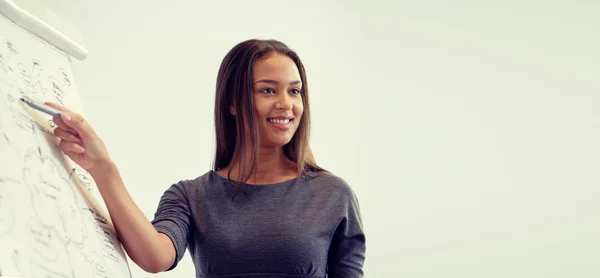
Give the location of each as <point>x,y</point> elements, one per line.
<point>266,209</point>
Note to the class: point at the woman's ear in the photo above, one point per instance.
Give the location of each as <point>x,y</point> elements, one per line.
<point>232,109</point>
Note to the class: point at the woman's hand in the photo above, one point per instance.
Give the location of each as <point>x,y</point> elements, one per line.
<point>149,249</point>
<point>79,141</point>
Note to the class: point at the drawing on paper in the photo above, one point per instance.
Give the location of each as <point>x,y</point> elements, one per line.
<point>49,225</point>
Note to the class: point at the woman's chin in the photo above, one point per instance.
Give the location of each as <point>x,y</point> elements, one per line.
<point>278,142</point>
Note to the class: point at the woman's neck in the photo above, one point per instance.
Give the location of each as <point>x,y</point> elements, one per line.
<point>272,167</point>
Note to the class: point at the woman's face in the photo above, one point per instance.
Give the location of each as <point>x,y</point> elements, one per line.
<point>277,98</point>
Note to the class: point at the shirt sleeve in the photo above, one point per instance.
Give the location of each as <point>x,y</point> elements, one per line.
<point>172,218</point>
<point>347,250</point>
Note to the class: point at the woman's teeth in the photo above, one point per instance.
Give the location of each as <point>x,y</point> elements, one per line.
<point>279,121</point>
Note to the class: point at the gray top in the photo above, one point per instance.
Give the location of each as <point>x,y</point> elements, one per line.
<point>287,229</point>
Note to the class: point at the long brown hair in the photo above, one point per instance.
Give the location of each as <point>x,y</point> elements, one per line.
<point>234,88</point>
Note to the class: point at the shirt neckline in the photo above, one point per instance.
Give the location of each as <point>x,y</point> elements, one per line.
<point>225,180</point>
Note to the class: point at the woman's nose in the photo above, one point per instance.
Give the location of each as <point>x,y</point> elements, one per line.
<point>284,103</point>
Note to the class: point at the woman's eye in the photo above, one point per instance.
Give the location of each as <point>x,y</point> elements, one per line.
<point>267,91</point>
<point>295,91</point>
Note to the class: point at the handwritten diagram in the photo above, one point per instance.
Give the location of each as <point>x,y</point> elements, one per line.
<point>50,222</point>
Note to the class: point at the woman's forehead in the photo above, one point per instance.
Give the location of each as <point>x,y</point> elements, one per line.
<point>276,67</point>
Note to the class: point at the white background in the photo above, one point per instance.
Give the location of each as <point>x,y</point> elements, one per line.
<point>469,130</point>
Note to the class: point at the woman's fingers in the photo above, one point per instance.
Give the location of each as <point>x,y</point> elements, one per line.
<point>64,112</point>
<point>70,147</point>
<point>78,139</point>
<point>57,107</point>
<point>65,135</point>
<point>60,124</point>
<point>73,120</point>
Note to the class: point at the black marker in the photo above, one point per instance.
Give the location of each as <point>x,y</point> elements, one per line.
<point>41,107</point>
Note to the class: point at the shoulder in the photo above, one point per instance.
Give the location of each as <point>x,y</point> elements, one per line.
<point>331,184</point>
<point>191,187</point>
<point>201,181</point>
<point>336,192</point>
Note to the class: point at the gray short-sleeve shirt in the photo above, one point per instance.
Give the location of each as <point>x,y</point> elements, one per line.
<point>306,228</point>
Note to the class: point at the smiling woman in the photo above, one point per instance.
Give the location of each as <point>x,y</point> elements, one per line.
<point>262,93</point>
<point>277,99</point>
<point>266,209</point>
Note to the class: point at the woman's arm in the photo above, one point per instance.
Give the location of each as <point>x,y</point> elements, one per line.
<point>151,250</point>
<point>347,250</point>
